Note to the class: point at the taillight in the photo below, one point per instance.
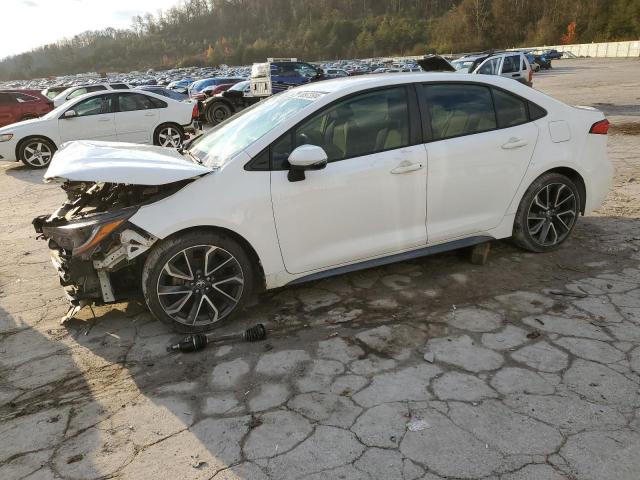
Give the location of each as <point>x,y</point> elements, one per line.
<point>600,128</point>
<point>530,75</point>
<point>195,114</point>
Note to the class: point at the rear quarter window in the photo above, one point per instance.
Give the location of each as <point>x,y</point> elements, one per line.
<point>510,110</point>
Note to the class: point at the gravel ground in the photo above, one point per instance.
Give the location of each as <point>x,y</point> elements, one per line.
<point>525,368</point>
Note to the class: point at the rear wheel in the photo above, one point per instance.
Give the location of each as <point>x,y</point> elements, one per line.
<point>547,214</point>
<point>197,281</point>
<point>218,112</point>
<point>169,135</point>
<point>36,152</point>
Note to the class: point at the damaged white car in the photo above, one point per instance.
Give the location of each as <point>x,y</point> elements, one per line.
<point>320,180</point>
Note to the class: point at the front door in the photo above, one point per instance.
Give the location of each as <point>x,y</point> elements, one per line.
<point>94,120</point>
<point>369,201</point>
<point>478,156</point>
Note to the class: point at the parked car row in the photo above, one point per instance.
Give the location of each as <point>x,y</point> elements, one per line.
<point>119,115</point>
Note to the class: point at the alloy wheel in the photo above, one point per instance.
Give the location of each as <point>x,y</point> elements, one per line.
<point>552,214</point>
<point>37,154</point>
<point>200,285</point>
<point>170,137</point>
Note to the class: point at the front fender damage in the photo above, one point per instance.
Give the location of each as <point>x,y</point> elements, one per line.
<point>97,253</point>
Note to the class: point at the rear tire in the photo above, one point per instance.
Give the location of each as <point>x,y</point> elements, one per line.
<point>36,152</point>
<point>547,213</point>
<point>197,281</point>
<point>168,135</point>
<point>218,112</point>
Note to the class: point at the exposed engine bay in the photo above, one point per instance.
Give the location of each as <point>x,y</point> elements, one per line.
<point>97,253</point>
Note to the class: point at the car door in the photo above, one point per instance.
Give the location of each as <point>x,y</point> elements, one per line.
<point>477,156</point>
<point>370,200</point>
<point>491,66</point>
<point>94,120</point>
<point>136,118</point>
<point>511,67</point>
<point>8,109</point>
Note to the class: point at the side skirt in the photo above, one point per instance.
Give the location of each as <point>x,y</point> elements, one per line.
<point>398,257</point>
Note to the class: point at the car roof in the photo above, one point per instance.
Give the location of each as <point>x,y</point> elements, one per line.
<point>338,87</point>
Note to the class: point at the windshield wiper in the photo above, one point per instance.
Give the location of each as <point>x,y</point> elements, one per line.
<point>193,157</point>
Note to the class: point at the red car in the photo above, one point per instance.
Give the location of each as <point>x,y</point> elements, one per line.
<point>18,105</point>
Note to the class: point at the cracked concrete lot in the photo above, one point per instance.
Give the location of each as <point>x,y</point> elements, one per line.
<point>527,368</point>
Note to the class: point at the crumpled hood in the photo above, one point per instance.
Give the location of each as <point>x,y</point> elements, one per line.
<point>115,162</point>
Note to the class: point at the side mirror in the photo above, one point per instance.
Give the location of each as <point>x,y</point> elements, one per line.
<point>305,157</point>
<point>70,114</point>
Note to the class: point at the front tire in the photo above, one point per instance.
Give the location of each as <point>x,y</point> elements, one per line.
<point>197,281</point>
<point>547,213</point>
<point>36,152</point>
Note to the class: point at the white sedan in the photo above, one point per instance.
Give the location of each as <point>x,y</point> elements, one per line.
<point>323,179</point>
<point>112,115</point>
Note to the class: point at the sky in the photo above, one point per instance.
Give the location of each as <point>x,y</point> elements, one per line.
<point>26,24</point>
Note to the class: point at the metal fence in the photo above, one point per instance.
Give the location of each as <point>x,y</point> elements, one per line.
<point>602,50</point>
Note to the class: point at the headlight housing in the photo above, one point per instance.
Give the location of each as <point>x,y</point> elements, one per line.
<point>82,236</point>
<point>5,137</point>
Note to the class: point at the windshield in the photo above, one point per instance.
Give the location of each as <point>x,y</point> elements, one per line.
<point>229,138</point>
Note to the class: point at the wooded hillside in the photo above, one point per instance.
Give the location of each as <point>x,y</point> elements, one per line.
<point>199,32</point>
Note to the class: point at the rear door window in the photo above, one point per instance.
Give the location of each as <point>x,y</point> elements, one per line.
<point>459,109</point>
<point>129,102</point>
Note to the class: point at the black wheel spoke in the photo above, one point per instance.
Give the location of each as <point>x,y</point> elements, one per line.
<point>200,285</point>
<point>552,214</point>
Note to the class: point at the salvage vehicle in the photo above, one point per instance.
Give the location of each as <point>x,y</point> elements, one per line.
<point>220,107</point>
<point>125,116</point>
<point>198,86</point>
<point>277,75</point>
<point>19,105</point>
<point>510,64</point>
<point>321,180</point>
<point>73,92</point>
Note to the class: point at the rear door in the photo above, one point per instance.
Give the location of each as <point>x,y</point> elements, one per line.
<point>136,117</point>
<point>478,156</point>
<point>94,120</point>
<point>8,109</point>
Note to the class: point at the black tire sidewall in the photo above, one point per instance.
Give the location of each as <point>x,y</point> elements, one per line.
<point>521,234</point>
<point>211,111</point>
<point>156,134</point>
<point>165,249</point>
<point>28,142</point>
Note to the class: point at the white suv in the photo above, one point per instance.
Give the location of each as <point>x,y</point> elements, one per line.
<point>507,64</point>
<point>320,180</point>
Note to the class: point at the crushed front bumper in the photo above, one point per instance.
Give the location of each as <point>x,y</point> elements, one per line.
<point>110,275</point>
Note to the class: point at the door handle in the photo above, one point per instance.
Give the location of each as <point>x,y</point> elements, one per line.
<point>406,167</point>
<point>514,143</point>
<point>149,114</point>
<point>104,119</point>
